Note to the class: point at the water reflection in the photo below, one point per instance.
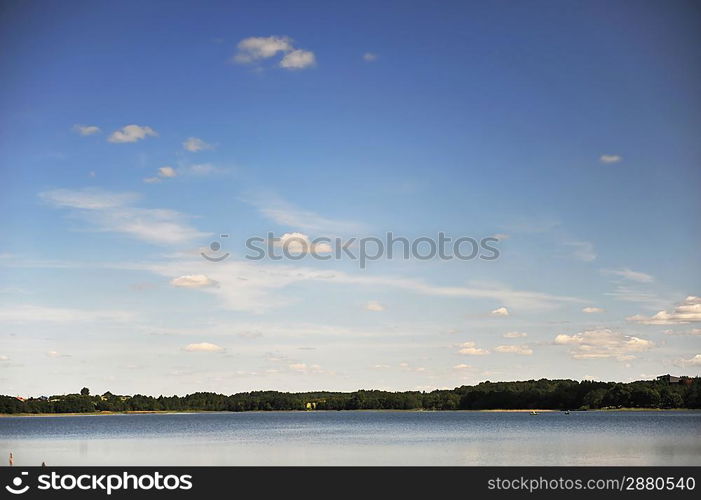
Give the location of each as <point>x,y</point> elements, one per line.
<point>358,438</point>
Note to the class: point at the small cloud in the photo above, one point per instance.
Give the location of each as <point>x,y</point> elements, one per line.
<point>514,335</point>
<point>132,133</point>
<point>592,310</point>
<point>255,49</point>
<point>629,274</point>
<point>163,173</point>
<point>374,306</point>
<point>203,347</point>
<point>306,369</point>
<point>501,236</point>
<point>298,59</point>
<point>610,158</point>
<point>695,361</point>
<point>522,350</point>
<point>4,358</point>
<point>381,367</point>
<point>500,311</point>
<point>167,172</point>
<point>194,144</point>
<point>462,366</point>
<point>470,349</point>
<point>258,47</point>
<point>299,243</point>
<point>193,281</point>
<point>689,311</point>
<point>369,57</point>
<point>603,343</point>
<point>86,129</point>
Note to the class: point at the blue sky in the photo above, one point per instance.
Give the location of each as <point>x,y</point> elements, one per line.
<point>135,135</point>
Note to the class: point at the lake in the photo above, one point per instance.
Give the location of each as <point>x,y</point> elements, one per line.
<point>357,438</point>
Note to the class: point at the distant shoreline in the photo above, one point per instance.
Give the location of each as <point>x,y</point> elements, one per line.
<point>171,412</point>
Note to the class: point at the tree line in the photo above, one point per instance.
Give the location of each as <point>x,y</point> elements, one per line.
<point>530,394</point>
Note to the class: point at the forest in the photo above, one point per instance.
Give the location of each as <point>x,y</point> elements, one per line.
<point>530,394</point>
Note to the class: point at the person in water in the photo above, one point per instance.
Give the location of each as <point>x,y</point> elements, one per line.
<point>12,460</point>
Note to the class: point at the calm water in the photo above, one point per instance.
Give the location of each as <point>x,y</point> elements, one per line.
<point>357,438</point>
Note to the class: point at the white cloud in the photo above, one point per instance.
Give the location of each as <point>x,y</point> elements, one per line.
<point>131,133</point>
<point>603,343</point>
<point>86,129</point>
<point>195,144</point>
<point>163,173</point>
<point>522,350</point>
<point>298,59</point>
<point>370,57</point>
<point>610,158</point>
<point>583,250</point>
<point>471,349</point>
<point>258,47</point>
<point>695,361</point>
<point>203,347</point>
<point>689,311</point>
<point>193,281</point>
<point>167,172</point>
<point>514,335</point>
<point>299,243</point>
<point>28,313</point>
<point>255,49</point>
<point>462,366</point>
<point>374,306</point>
<point>110,212</point>
<point>629,274</point>
<point>4,358</point>
<point>592,310</point>
<point>500,311</point>
<point>305,369</point>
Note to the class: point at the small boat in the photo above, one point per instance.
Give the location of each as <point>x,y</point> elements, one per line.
<point>567,412</point>
<point>534,412</point>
